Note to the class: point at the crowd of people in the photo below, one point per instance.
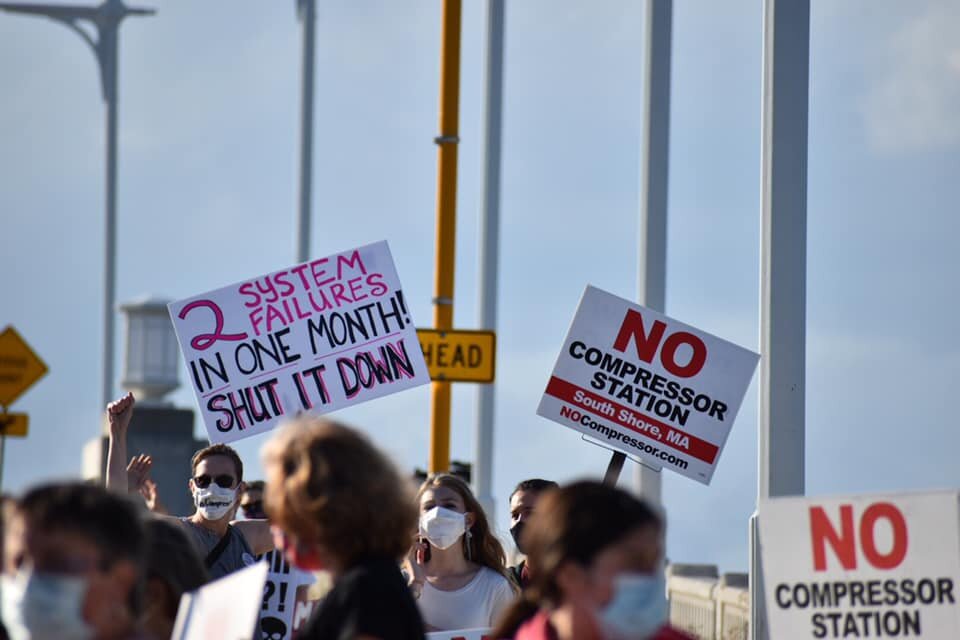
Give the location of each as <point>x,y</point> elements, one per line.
<point>84,561</point>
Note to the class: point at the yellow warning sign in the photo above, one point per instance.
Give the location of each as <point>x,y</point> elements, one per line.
<point>459,355</point>
<point>13,424</point>
<point>19,366</point>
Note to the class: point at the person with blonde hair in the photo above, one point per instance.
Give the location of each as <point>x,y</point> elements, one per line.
<point>338,504</point>
<point>457,567</point>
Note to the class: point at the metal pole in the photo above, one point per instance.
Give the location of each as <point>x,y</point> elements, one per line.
<point>783,266</point>
<point>308,13</point>
<point>490,246</point>
<point>108,62</point>
<point>446,223</point>
<point>655,156</point>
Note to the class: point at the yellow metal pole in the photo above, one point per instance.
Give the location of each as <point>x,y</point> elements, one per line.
<point>446,223</point>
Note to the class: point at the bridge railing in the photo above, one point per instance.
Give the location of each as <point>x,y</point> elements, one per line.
<point>708,606</point>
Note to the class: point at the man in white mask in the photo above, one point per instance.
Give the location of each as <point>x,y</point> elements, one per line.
<point>73,565</point>
<point>216,484</point>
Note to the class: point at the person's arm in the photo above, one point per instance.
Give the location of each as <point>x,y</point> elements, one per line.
<point>119,413</point>
<point>257,534</point>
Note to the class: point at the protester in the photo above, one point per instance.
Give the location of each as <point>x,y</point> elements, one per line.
<point>339,504</point>
<point>75,565</point>
<point>216,481</point>
<point>172,569</point>
<point>598,553</point>
<point>251,501</point>
<point>523,502</point>
<point>457,569</point>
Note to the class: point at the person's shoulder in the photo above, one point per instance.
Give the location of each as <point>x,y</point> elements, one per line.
<point>666,632</point>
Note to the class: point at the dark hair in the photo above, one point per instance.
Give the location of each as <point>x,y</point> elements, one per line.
<point>218,450</point>
<point>326,483</point>
<point>108,521</point>
<point>535,485</point>
<point>572,524</point>
<point>256,485</point>
<point>172,559</point>
<point>482,545</point>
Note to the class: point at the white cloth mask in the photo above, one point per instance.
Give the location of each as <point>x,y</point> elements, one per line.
<point>638,608</point>
<point>443,527</point>
<point>214,502</point>
<point>44,606</point>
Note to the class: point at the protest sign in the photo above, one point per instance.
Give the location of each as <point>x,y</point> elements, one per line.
<point>281,596</point>
<point>225,608</point>
<point>883,566</point>
<point>648,385</point>
<point>461,634</point>
<point>315,337</point>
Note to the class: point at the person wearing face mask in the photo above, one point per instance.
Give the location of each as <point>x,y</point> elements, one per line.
<point>523,502</point>
<point>457,567</point>
<point>339,505</point>
<point>251,501</point>
<point>74,557</point>
<point>598,553</point>
<point>216,482</point>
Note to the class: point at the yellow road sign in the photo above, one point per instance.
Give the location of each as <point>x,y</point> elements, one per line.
<point>459,355</point>
<point>19,366</point>
<point>13,424</point>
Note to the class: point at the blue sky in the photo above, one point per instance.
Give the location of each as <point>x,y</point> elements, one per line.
<point>209,108</point>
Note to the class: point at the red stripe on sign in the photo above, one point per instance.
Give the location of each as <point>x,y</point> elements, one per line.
<point>669,436</point>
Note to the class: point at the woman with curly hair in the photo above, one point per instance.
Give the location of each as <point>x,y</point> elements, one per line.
<point>338,504</point>
<point>458,566</point>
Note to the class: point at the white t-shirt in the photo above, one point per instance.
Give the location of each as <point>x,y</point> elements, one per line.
<point>478,604</point>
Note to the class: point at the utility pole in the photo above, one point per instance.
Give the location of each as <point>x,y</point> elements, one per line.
<point>447,141</point>
<point>783,269</point>
<point>104,20</point>
<point>490,245</point>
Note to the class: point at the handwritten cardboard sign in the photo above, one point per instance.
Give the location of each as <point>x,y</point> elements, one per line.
<point>881,566</point>
<point>282,594</point>
<point>316,337</point>
<point>648,385</point>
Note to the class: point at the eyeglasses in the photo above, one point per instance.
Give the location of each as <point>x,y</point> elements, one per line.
<point>224,480</point>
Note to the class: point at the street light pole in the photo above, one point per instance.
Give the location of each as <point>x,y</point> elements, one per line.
<point>307,10</point>
<point>105,20</point>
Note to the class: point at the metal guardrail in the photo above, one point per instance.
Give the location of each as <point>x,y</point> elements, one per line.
<point>707,606</point>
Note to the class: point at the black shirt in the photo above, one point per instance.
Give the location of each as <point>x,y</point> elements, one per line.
<point>371,598</point>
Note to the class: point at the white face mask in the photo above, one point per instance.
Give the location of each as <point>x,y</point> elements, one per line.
<point>214,502</point>
<point>42,606</point>
<point>638,608</point>
<point>442,527</point>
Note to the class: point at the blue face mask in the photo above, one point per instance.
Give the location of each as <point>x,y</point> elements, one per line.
<point>42,606</point>
<point>638,608</point>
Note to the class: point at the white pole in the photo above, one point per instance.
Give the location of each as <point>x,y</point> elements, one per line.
<point>490,246</point>
<point>308,13</point>
<point>655,154</point>
<point>783,267</point>
<point>108,62</point>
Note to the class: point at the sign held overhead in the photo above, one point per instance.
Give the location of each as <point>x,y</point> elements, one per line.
<point>315,337</point>
<point>648,385</point>
<point>459,355</point>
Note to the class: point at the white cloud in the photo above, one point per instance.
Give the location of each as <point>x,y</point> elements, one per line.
<point>914,103</point>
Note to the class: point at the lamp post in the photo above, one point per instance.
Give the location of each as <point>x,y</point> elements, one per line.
<point>104,19</point>
<point>307,10</point>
